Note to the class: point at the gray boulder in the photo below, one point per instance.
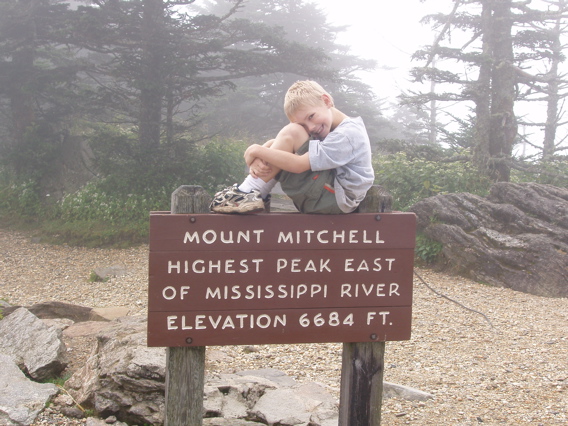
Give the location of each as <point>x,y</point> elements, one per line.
<point>21,400</point>
<point>517,237</point>
<point>392,390</point>
<point>35,347</point>
<point>126,379</point>
<point>59,310</point>
<point>123,376</point>
<point>270,397</point>
<point>103,273</point>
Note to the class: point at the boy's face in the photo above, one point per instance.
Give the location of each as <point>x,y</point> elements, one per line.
<point>316,119</point>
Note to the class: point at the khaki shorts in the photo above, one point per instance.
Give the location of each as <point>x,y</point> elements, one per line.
<point>311,192</point>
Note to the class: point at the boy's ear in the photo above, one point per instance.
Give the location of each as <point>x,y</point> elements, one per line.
<point>327,100</point>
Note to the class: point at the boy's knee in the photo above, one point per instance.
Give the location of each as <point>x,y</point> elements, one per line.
<point>295,133</point>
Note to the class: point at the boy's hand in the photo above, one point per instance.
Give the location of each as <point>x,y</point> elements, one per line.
<point>249,155</point>
<point>259,168</point>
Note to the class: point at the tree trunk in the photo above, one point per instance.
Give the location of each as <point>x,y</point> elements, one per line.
<point>151,84</point>
<point>22,68</point>
<point>503,121</point>
<point>482,96</point>
<point>433,130</point>
<point>553,96</point>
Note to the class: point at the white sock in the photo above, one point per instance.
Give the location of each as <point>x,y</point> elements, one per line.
<point>263,187</point>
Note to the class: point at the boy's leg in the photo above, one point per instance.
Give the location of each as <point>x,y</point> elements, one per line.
<point>248,197</point>
<point>290,139</point>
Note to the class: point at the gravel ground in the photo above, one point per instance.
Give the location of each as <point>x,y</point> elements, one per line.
<point>513,373</point>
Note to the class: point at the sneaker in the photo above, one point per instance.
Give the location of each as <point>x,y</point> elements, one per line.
<point>233,200</point>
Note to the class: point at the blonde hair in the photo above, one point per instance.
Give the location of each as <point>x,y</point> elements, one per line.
<point>303,93</point>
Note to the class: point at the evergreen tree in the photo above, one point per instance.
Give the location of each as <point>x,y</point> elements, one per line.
<point>260,99</point>
<point>488,30</point>
<point>37,74</point>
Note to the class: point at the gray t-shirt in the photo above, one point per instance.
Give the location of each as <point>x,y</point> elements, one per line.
<point>348,150</point>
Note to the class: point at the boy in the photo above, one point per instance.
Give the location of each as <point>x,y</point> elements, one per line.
<point>322,159</point>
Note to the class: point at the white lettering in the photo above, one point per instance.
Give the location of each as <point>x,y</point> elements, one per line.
<point>213,294</point>
<point>226,240</point>
<point>383,314</point>
<point>170,321</point>
<point>352,290</point>
<point>184,290</point>
<point>394,289</point>
<point>214,323</point>
<point>210,236</point>
<point>339,235</point>
<point>285,238</point>
<point>191,237</point>
<point>169,293</point>
<point>199,322</point>
<point>174,266</point>
<point>228,323</point>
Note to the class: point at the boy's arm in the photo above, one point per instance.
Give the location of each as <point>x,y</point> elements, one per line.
<point>281,159</point>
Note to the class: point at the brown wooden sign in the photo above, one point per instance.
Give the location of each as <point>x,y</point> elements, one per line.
<point>279,278</point>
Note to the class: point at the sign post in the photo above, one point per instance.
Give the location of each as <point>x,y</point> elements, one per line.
<point>362,363</point>
<point>185,366</point>
<point>279,278</point>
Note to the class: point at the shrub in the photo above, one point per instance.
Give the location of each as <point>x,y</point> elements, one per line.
<point>427,249</point>
<point>410,180</point>
<point>20,199</point>
<point>554,172</point>
<point>115,209</point>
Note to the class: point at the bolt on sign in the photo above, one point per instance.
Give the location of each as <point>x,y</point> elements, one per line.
<point>279,278</point>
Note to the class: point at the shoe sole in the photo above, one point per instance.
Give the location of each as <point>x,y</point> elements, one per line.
<point>239,210</point>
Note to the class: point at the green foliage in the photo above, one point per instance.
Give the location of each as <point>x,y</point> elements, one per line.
<point>36,155</point>
<point>94,278</point>
<point>553,172</point>
<point>94,203</point>
<point>220,164</point>
<point>427,249</point>
<point>19,198</point>
<point>114,210</point>
<point>96,216</point>
<point>412,179</point>
<point>58,381</point>
<point>130,169</point>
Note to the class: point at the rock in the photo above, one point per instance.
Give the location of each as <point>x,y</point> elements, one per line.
<point>51,310</point>
<point>391,390</point>
<point>104,273</point>
<point>73,412</point>
<point>123,377</point>
<point>126,379</point>
<point>86,328</point>
<point>36,348</point>
<point>275,376</point>
<point>92,421</point>
<point>21,400</point>
<point>546,202</point>
<point>219,421</point>
<point>58,323</point>
<point>112,312</point>
<point>297,405</point>
<point>516,238</point>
